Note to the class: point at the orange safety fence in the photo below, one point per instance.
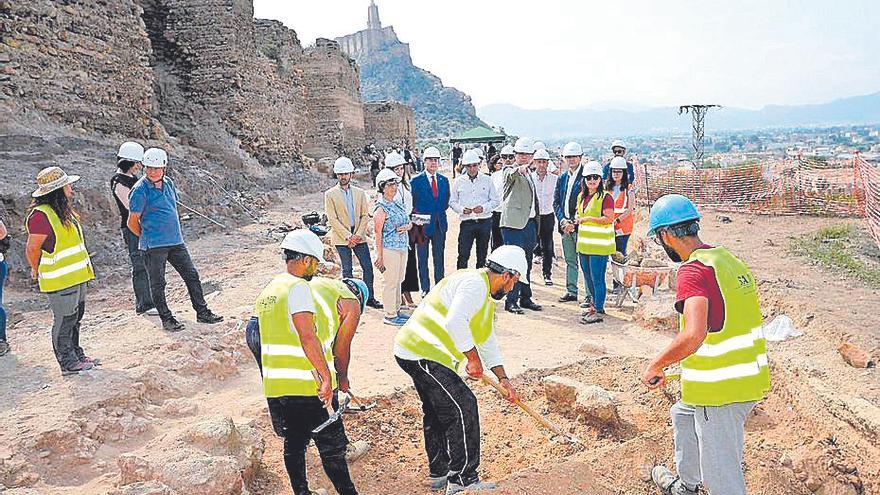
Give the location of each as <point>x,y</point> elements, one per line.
<point>868,177</point>
<point>840,188</point>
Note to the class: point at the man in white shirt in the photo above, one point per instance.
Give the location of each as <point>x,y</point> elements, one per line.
<point>545,187</point>
<point>473,197</point>
<point>455,324</point>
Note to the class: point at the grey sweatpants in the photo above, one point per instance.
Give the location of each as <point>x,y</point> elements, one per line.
<point>709,446</point>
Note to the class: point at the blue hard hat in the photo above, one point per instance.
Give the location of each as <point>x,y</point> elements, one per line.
<point>360,289</point>
<point>671,209</point>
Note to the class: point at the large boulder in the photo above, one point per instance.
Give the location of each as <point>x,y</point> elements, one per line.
<point>213,457</point>
<point>589,404</point>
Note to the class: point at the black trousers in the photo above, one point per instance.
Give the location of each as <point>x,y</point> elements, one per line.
<point>471,231</point>
<point>451,421</point>
<point>546,226</point>
<point>497,239</point>
<point>294,418</point>
<point>179,258</point>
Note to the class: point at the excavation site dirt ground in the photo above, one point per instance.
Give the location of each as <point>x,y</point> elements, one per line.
<point>183,413</point>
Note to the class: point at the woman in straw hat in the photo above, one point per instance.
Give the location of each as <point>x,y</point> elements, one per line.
<point>60,263</point>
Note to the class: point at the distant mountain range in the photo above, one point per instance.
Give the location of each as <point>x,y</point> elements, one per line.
<point>557,124</point>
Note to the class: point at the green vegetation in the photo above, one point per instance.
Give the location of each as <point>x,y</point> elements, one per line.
<point>837,246</point>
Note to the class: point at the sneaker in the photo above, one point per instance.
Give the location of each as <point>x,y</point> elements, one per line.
<point>393,321</point>
<point>568,298</point>
<point>669,483</point>
<point>356,450</point>
<point>209,317</point>
<point>152,311</point>
<point>4,348</point>
<point>403,315</point>
<point>373,303</point>
<point>172,325</point>
<point>437,482</point>
<point>77,368</point>
<point>479,486</point>
<point>538,260</point>
<point>547,281</point>
<point>93,361</point>
<point>591,318</point>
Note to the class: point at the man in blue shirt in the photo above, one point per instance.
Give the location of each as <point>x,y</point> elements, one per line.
<point>153,217</point>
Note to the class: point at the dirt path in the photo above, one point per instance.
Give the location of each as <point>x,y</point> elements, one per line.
<point>818,429</point>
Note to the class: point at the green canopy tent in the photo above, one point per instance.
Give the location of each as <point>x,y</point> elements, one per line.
<point>479,134</point>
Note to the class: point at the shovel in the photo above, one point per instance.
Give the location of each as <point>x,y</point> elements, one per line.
<point>534,414</point>
<point>357,405</point>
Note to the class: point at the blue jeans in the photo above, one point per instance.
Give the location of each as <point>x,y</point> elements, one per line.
<point>438,246</point>
<point>526,238</point>
<point>362,251</point>
<point>4,270</point>
<point>594,273</point>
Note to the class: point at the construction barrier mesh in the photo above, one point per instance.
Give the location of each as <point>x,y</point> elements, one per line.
<point>839,188</point>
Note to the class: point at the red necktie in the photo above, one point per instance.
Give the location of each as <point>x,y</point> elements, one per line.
<point>434,186</point>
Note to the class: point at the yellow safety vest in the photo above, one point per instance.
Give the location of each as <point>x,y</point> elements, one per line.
<point>594,238</point>
<point>425,333</point>
<point>731,364</point>
<point>69,263</point>
<point>286,369</point>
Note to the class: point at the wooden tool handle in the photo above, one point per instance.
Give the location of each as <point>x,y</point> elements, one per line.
<point>525,407</point>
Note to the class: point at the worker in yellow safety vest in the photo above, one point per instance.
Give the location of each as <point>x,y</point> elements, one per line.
<point>60,263</point>
<point>304,341</point>
<point>454,325</point>
<point>722,351</point>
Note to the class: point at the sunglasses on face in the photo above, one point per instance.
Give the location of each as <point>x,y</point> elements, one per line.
<point>507,157</point>
<point>593,177</point>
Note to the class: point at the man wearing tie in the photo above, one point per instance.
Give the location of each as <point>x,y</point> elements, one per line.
<point>519,220</point>
<point>473,198</point>
<point>430,191</point>
<point>565,206</point>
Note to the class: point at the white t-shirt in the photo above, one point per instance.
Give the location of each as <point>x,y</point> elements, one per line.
<point>300,300</point>
<point>464,296</point>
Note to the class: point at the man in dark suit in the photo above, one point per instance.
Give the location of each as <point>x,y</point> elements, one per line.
<point>430,191</point>
<point>565,206</point>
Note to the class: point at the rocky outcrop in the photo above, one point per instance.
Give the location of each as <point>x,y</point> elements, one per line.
<point>388,73</point>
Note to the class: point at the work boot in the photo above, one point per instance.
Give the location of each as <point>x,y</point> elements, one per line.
<point>479,486</point>
<point>568,297</point>
<point>437,482</point>
<point>77,368</point>
<point>356,450</point>
<point>172,325</point>
<point>209,317</point>
<point>4,347</point>
<point>669,483</point>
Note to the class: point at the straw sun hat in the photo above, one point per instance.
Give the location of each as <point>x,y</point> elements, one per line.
<point>51,179</point>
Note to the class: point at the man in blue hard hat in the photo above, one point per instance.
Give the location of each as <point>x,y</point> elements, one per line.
<point>722,352</point>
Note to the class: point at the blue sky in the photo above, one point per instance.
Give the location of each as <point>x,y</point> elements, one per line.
<point>567,54</point>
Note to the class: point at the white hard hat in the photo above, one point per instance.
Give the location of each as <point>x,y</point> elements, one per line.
<point>306,242</point>
<point>572,149</point>
<point>155,158</point>
<point>539,145</point>
<point>524,145</point>
<point>507,150</point>
<point>394,159</point>
<point>541,154</point>
<point>617,143</point>
<point>385,175</point>
<point>343,165</point>
<point>431,152</point>
<point>511,258</point>
<point>131,151</point>
<point>592,168</point>
<point>618,162</point>
<point>470,157</point>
